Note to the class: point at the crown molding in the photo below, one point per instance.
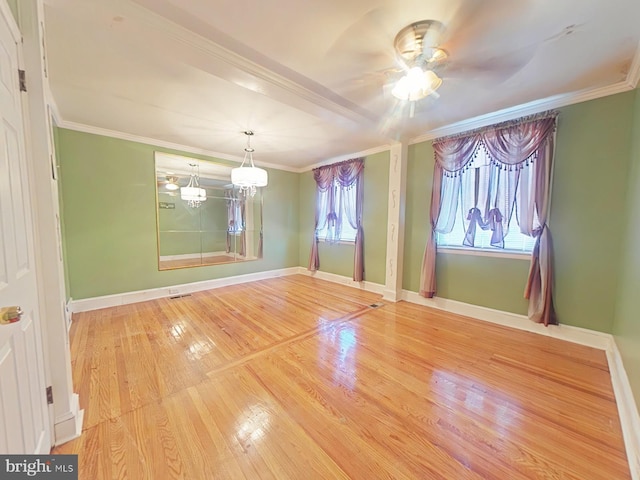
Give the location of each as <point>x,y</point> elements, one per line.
<point>633,76</point>
<point>341,158</point>
<point>80,127</point>
<point>511,113</point>
<point>53,105</point>
<point>105,132</point>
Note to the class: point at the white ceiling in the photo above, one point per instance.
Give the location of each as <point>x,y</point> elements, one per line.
<point>308,77</point>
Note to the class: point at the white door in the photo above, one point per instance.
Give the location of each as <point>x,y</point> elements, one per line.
<point>24,424</point>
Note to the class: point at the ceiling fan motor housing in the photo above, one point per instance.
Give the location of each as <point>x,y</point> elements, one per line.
<point>418,43</point>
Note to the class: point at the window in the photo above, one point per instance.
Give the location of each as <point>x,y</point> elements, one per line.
<point>338,215</point>
<point>496,178</point>
<point>514,241</point>
<point>338,228</point>
<point>475,191</point>
<point>235,216</point>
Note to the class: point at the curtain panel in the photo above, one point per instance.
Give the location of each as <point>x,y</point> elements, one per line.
<point>339,198</point>
<point>497,173</point>
<point>231,217</point>
<point>243,223</point>
<point>261,239</point>
<point>236,220</point>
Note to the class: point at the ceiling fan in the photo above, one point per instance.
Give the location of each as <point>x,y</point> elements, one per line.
<point>169,182</point>
<point>419,54</point>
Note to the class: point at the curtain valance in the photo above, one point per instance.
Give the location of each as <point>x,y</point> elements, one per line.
<point>506,144</point>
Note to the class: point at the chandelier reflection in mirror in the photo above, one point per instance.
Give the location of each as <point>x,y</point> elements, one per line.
<point>192,193</point>
<point>249,177</point>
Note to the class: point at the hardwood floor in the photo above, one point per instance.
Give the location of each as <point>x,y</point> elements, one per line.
<point>293,378</point>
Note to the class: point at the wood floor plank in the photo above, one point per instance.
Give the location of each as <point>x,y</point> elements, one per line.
<point>294,377</point>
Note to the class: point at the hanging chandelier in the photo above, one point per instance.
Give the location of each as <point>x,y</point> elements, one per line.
<point>192,193</point>
<point>249,177</point>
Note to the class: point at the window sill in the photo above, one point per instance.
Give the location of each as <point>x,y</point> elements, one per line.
<point>339,242</point>
<point>483,252</point>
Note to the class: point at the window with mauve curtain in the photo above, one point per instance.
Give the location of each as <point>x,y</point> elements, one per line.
<point>338,213</point>
<point>488,180</point>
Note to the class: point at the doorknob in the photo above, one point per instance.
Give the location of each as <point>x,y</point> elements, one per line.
<point>10,315</point>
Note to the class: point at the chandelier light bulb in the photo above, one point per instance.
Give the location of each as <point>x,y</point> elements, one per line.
<point>416,84</point>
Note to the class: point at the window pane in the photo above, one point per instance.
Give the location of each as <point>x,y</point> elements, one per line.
<point>514,240</point>
<point>347,232</point>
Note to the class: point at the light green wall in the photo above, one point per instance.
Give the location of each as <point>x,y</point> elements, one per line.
<point>589,192</point>
<point>626,326</point>
<point>13,6</point>
<point>108,196</point>
<point>338,258</point>
<point>375,215</point>
<point>585,226</point>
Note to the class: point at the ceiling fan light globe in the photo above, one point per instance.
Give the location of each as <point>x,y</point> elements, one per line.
<point>437,55</point>
<point>416,85</point>
<point>401,89</point>
<point>172,186</point>
<point>431,81</point>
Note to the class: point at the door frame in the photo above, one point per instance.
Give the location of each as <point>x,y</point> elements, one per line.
<point>65,415</point>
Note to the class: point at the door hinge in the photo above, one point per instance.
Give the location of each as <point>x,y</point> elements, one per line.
<point>22,77</point>
<point>49,395</point>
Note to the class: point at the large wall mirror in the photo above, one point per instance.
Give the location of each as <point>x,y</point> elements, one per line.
<point>202,219</point>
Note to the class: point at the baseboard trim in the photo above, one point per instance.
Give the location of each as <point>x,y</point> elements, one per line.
<point>69,425</point>
<point>342,280</point>
<point>193,256</point>
<point>583,336</point>
<point>94,303</point>
<point>627,408</point>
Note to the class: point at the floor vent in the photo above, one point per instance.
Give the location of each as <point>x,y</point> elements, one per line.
<point>376,305</point>
<point>180,296</point>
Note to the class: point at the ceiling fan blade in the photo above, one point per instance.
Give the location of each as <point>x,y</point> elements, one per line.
<point>476,20</point>
<point>364,36</point>
<point>493,70</point>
